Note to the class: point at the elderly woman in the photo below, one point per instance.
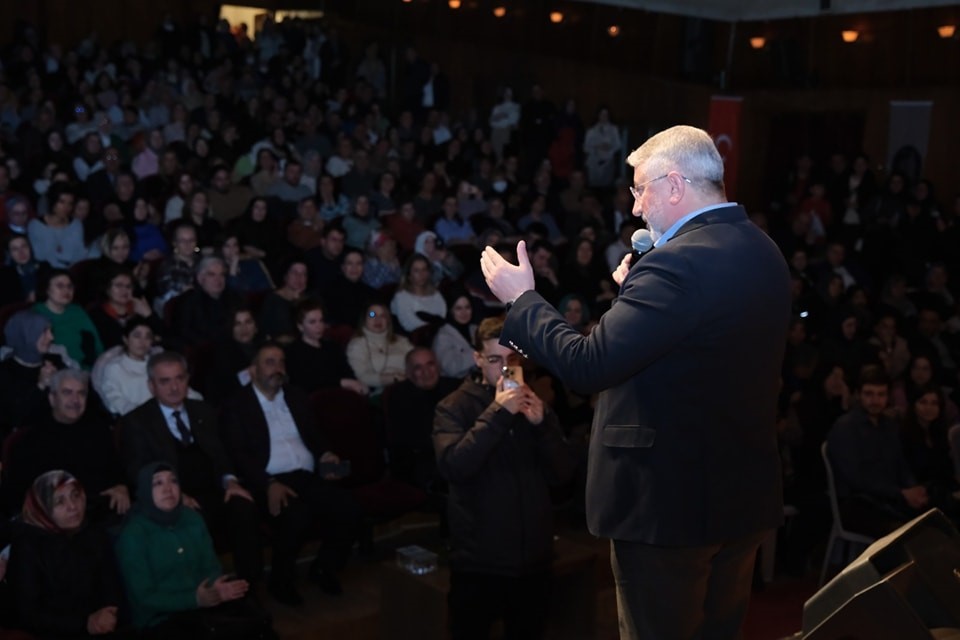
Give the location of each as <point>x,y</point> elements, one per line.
<point>70,323</point>
<point>376,354</point>
<point>175,584</point>
<point>61,571</point>
<point>27,363</point>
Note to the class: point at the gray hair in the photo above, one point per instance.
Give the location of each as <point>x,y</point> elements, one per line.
<point>57,379</point>
<point>165,357</point>
<point>204,263</point>
<point>686,149</point>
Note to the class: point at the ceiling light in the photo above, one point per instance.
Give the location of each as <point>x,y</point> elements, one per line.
<point>454,4</point>
<point>499,11</point>
<point>849,35</point>
<point>947,30</point>
<point>757,42</point>
<point>613,30</point>
<point>556,17</point>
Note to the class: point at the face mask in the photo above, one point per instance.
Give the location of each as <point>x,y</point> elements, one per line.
<point>500,186</point>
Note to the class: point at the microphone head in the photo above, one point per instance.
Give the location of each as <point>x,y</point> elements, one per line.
<point>641,240</point>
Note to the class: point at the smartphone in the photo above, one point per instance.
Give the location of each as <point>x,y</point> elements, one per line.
<point>512,377</point>
<point>340,469</point>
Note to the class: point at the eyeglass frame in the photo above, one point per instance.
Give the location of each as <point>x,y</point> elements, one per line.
<point>637,190</point>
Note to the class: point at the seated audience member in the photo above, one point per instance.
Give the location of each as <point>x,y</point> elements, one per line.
<point>197,210</point>
<point>72,438</point>
<point>417,294</point>
<point>122,380</point>
<point>891,348</point>
<point>278,312</point>
<point>453,343</point>
<point>227,200</point>
<point>921,372</point>
<point>409,418</point>
<point>272,434</point>
<point>62,570</point>
<point>444,265</point>
<point>876,490</point>
<point>175,274</point>
<point>314,362</point>
<point>18,275</point>
<point>259,233</point>
<point>306,230</point>
<point>381,267</point>
<point>149,243</point>
<point>404,226</point>
<point>451,227</point>
<point>57,237</point>
<point>923,435</point>
<point>184,432</point>
<point>114,256</point>
<point>202,312</point>
<point>70,323</point>
<point>360,223</point>
<point>585,274</point>
<point>27,362</point>
<point>244,275</point>
<point>182,593</point>
<point>575,310</point>
<point>120,308</point>
<point>323,262</point>
<point>488,441</point>
<point>332,203</point>
<point>376,354</point>
<point>348,295</point>
<point>231,363</point>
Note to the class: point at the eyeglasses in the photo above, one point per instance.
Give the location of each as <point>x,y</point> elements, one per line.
<point>495,359</point>
<point>375,314</point>
<point>637,190</point>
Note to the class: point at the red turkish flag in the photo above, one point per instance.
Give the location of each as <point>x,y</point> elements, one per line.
<point>724,128</point>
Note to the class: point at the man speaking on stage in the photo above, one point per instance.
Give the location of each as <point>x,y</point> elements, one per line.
<point>684,474</point>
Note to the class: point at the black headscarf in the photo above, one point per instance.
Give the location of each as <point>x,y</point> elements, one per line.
<point>145,505</point>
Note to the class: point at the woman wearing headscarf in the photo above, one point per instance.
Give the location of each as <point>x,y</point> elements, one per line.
<point>27,362</point>
<point>61,570</point>
<point>453,343</point>
<point>175,584</point>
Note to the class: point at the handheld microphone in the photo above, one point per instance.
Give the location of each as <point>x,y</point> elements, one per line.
<point>642,241</point>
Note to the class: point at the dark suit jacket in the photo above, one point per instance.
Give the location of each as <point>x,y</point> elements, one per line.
<point>145,437</point>
<point>683,450</point>
<point>247,435</point>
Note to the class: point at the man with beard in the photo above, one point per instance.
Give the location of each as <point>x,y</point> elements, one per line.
<point>272,435</point>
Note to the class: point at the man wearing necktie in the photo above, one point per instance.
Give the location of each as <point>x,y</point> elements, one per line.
<point>183,432</point>
<point>684,473</point>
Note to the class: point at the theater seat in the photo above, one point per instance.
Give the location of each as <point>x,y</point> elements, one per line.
<point>346,420</point>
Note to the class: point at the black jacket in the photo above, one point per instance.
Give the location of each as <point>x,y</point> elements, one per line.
<point>58,580</point>
<point>499,468</point>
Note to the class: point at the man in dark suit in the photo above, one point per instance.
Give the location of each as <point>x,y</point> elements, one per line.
<point>684,474</point>
<point>272,434</point>
<point>184,433</point>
